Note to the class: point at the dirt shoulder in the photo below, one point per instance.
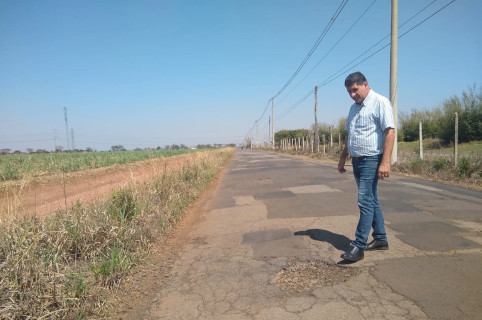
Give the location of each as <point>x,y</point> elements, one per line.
<point>42,195</point>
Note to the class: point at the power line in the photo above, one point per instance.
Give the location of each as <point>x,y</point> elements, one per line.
<point>296,104</point>
<point>344,69</point>
<point>264,112</point>
<point>317,43</point>
<point>333,47</point>
<point>305,60</point>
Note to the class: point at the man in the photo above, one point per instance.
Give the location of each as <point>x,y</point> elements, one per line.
<point>371,136</point>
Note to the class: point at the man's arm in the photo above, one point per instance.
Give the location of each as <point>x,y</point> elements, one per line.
<point>384,169</point>
<point>341,163</point>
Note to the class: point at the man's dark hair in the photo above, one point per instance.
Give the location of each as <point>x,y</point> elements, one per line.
<point>355,77</point>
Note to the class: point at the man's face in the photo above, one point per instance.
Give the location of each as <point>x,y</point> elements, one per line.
<point>358,92</point>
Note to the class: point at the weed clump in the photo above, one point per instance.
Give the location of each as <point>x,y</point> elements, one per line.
<point>464,168</point>
<point>468,171</point>
<point>440,164</point>
<point>122,206</point>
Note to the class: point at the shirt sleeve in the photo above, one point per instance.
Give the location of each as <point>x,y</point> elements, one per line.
<point>386,114</point>
<point>349,119</point>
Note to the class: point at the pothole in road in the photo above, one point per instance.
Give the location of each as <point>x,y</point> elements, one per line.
<point>302,276</point>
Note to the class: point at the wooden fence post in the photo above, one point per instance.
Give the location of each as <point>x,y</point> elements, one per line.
<point>420,138</point>
<point>456,142</point>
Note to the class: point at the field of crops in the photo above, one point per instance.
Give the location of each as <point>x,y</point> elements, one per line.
<point>19,166</point>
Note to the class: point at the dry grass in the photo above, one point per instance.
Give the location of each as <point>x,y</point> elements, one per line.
<point>441,167</point>
<point>436,166</point>
<point>61,266</point>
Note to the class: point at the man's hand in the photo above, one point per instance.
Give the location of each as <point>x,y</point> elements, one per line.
<point>384,170</point>
<point>341,165</point>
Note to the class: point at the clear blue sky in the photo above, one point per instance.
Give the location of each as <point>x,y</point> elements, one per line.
<point>154,73</point>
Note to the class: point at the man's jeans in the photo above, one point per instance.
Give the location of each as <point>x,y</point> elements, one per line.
<point>365,170</point>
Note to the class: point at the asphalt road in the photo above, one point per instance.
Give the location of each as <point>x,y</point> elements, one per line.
<point>269,242</point>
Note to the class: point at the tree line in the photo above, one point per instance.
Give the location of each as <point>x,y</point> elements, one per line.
<point>438,123</point>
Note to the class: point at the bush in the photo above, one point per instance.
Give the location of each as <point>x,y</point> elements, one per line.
<point>419,166</point>
<point>464,168</point>
<point>440,164</point>
<point>434,144</point>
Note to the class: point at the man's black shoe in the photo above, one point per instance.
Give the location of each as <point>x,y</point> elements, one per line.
<point>377,245</point>
<point>353,254</point>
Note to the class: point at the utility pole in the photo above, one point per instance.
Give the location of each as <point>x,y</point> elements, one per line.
<point>331,127</point>
<point>272,122</point>
<point>269,130</point>
<point>67,129</point>
<point>420,139</point>
<point>393,75</point>
<point>317,131</point>
<point>257,134</point>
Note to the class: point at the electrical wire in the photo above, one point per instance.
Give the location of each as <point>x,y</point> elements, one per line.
<point>315,46</point>
<point>343,70</point>
<point>333,47</point>
<point>305,60</point>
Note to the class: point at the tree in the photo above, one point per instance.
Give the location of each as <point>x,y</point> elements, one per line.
<point>409,124</point>
<point>118,148</point>
<point>341,128</point>
<point>290,134</point>
<point>469,110</point>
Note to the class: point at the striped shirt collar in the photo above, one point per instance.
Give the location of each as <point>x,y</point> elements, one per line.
<point>368,100</point>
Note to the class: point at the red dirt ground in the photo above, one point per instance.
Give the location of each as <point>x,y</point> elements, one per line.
<point>59,192</point>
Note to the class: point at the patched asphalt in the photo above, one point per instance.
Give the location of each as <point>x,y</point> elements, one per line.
<point>273,233</point>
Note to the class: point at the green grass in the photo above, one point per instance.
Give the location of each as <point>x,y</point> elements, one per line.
<point>431,144</point>
<point>19,166</point>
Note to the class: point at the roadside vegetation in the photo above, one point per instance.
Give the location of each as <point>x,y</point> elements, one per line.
<point>438,127</point>
<point>437,165</point>
<point>63,266</point>
<point>14,167</point>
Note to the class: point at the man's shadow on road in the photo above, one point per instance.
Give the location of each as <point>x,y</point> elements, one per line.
<point>338,241</point>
